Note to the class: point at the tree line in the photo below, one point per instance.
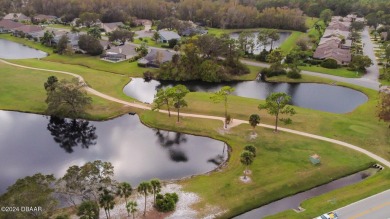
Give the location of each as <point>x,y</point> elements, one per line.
<point>222,14</point>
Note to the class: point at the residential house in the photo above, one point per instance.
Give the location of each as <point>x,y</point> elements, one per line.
<point>191,31</point>
<point>29,31</point>
<point>143,22</point>
<point>105,44</point>
<point>331,48</point>
<point>73,40</point>
<point>42,18</point>
<point>336,33</point>
<point>156,57</point>
<point>16,17</point>
<point>120,53</point>
<point>109,27</point>
<point>339,25</point>
<point>6,26</point>
<point>166,36</point>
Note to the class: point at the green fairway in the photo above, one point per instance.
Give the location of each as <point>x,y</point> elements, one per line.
<point>22,90</point>
<point>290,42</point>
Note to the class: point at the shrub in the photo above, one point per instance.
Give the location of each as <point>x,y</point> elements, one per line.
<point>167,202</point>
<point>251,148</point>
<point>294,74</point>
<point>314,61</point>
<point>329,63</point>
<point>271,73</point>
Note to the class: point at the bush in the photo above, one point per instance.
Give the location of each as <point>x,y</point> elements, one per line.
<point>167,202</point>
<point>314,61</point>
<point>329,63</point>
<point>294,74</point>
<point>271,73</point>
<point>88,210</point>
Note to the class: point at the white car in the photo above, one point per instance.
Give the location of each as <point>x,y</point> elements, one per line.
<point>330,215</point>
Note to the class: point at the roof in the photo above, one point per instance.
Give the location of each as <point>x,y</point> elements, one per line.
<point>128,50</point>
<point>143,22</point>
<point>29,28</point>
<point>109,27</point>
<point>339,25</point>
<point>329,33</point>
<point>104,43</point>
<point>340,55</point>
<point>44,17</point>
<point>17,16</point>
<point>168,35</point>
<point>9,24</point>
<point>152,56</point>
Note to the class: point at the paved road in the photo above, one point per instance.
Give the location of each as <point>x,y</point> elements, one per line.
<point>368,50</point>
<point>363,82</point>
<point>236,122</point>
<point>374,207</point>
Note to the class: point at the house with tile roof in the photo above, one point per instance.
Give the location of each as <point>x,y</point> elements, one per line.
<point>155,58</point>
<point>120,53</point>
<point>7,26</point>
<point>109,27</point>
<point>16,17</point>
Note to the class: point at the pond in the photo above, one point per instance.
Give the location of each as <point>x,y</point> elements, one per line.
<point>282,37</point>
<point>12,50</point>
<point>329,98</point>
<point>293,202</point>
<point>33,143</point>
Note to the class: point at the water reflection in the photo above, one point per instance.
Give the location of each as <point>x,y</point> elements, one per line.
<point>171,142</point>
<point>133,148</point>
<point>12,50</point>
<point>324,97</point>
<point>69,133</point>
<point>220,158</point>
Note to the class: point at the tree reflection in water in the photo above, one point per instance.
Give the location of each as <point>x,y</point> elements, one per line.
<point>172,143</point>
<point>69,133</point>
<point>220,158</point>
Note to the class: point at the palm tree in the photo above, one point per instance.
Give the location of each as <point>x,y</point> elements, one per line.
<point>107,202</point>
<point>254,120</point>
<point>222,95</point>
<point>246,159</point>
<point>47,38</point>
<point>156,188</point>
<point>124,190</point>
<point>251,148</point>
<point>145,188</point>
<point>131,207</point>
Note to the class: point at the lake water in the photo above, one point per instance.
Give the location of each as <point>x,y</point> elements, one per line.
<point>32,143</point>
<point>12,50</point>
<point>329,98</point>
<point>283,36</point>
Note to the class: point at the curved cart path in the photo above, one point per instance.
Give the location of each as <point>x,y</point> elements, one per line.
<point>236,122</point>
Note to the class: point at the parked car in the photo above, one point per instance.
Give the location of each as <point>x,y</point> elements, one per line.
<point>330,215</point>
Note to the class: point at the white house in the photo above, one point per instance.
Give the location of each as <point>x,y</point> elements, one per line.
<point>166,36</point>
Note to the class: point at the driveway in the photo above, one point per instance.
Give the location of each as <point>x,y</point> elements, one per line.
<point>376,206</point>
<point>368,50</point>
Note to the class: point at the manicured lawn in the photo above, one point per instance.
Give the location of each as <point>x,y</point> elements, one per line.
<point>340,197</point>
<point>22,90</point>
<point>290,42</point>
<point>281,167</point>
<point>342,72</point>
<point>60,26</point>
<point>108,83</point>
<point>150,42</point>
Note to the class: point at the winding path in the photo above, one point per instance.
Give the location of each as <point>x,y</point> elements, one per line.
<point>236,122</point>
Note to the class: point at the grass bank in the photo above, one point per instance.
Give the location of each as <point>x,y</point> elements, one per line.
<point>281,167</point>
<point>342,72</point>
<point>22,90</point>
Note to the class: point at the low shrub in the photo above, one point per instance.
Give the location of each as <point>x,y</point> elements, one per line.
<point>167,202</point>
<point>329,63</point>
<point>295,74</point>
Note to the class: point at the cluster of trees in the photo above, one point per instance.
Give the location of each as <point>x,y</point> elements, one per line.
<point>66,98</point>
<point>87,188</point>
<point>221,13</point>
<point>384,105</point>
<point>201,59</point>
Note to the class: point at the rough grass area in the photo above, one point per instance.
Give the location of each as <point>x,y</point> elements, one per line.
<point>281,168</point>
